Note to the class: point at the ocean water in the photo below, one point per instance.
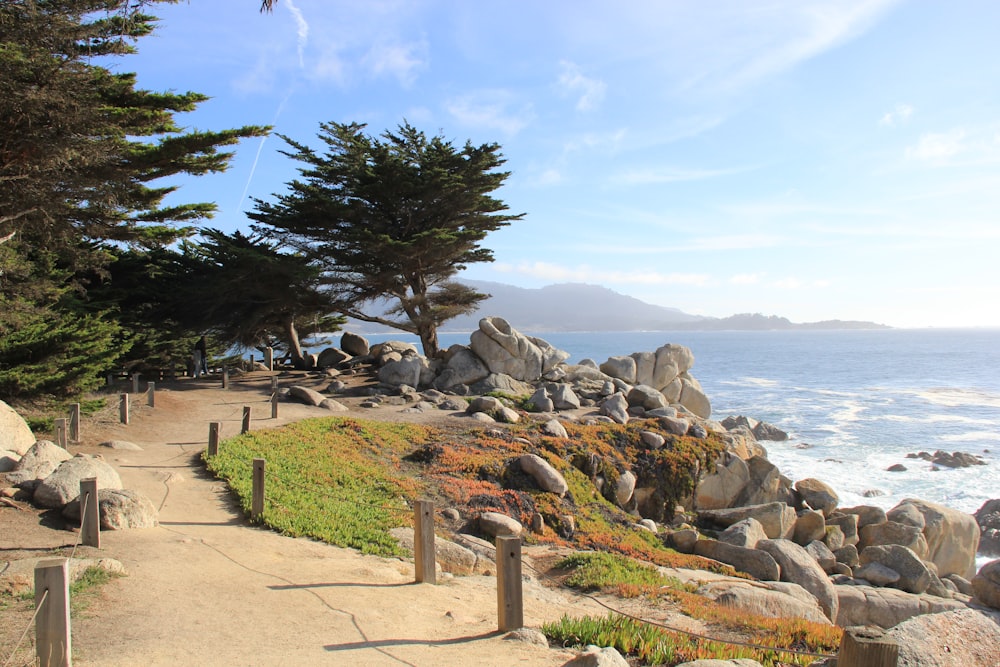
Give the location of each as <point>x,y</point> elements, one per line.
<point>853,402</point>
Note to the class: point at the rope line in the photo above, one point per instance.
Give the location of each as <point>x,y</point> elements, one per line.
<point>38,608</point>
<point>83,512</point>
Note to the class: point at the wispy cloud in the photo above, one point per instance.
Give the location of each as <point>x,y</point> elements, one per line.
<point>938,147</point>
<point>493,109</point>
<point>901,114</point>
<point>572,82</point>
<point>402,61</point>
<point>301,28</point>
<point>589,274</point>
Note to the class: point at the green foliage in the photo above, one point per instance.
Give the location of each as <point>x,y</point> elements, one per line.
<point>392,219</point>
<point>594,571</point>
<point>83,158</point>
<point>331,479</point>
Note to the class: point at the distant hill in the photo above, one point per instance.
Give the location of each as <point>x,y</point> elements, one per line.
<point>582,307</point>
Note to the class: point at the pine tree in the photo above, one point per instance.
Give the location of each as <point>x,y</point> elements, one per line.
<point>392,218</point>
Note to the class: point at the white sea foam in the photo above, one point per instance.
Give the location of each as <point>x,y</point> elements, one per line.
<point>957,397</point>
<point>972,436</point>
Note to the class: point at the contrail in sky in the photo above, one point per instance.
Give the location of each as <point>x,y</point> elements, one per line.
<point>302,30</point>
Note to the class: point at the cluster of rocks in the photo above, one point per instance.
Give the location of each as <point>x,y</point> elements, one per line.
<point>42,472</point>
<point>943,458</point>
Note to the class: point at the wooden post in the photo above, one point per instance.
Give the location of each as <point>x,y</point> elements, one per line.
<point>269,358</point>
<point>60,426</point>
<point>257,501</point>
<point>510,602</point>
<point>53,646</point>
<point>424,560</point>
<point>274,406</point>
<point>151,394</point>
<point>214,430</point>
<point>74,422</point>
<point>90,513</point>
<point>123,408</point>
<point>225,377</point>
<point>867,646</point>
<point>274,383</point>
<point>246,419</point>
<point>135,383</point>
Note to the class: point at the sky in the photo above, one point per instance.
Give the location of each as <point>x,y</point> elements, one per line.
<point>813,160</point>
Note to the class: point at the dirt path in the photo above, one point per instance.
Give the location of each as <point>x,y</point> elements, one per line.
<point>206,588</point>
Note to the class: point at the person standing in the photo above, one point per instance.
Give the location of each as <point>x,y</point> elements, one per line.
<point>201,357</point>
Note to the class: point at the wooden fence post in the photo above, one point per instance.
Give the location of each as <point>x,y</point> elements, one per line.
<point>269,358</point>
<point>53,646</point>
<point>424,558</point>
<point>257,501</point>
<point>90,513</point>
<point>225,377</point>
<point>246,419</point>
<point>274,406</point>
<point>123,408</point>
<point>510,601</point>
<point>274,383</point>
<point>214,430</point>
<point>60,428</point>
<point>135,383</point>
<point>151,394</point>
<point>74,422</point>
<point>867,646</point>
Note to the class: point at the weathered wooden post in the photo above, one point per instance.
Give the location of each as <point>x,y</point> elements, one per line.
<point>246,419</point>
<point>269,358</point>
<point>510,601</point>
<point>151,394</point>
<point>74,422</point>
<point>225,377</point>
<point>60,428</point>
<point>90,513</point>
<point>424,559</point>
<point>274,406</point>
<point>123,408</point>
<point>257,501</point>
<point>135,383</point>
<point>53,646</point>
<point>867,646</point>
<point>274,383</point>
<point>214,430</point>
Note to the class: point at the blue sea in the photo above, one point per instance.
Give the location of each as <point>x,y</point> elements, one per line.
<point>853,402</point>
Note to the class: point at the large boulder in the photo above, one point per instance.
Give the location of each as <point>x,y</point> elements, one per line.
<point>777,519</point>
<point>766,483</point>
<point>407,370</point>
<point>693,397</point>
<point>306,395</point>
<point>646,397</point>
<point>548,478</point>
<point>502,383</point>
<point>119,509</point>
<point>959,638</point>
<point>38,462</point>
<point>596,656</point>
<point>890,532</point>
<point>563,397</point>
<point>988,518</point>
<point>798,567</point>
<point>817,495</point>
<point>809,526</point>
<point>721,488</point>
<point>463,366</point>
<point>952,537</point>
<point>754,562</point>
<point>986,584</point>
<point>615,407</point>
<point>914,575</point>
<point>746,533</point>
<point>499,525</point>
<point>773,599</point>
<point>63,485</point>
<point>452,557</point>
<point>885,607</point>
<point>15,435</point>
<point>620,367</point>
<point>507,351</point>
<point>331,357</point>
<point>354,344</point>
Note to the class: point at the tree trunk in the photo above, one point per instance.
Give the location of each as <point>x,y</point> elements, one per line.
<point>429,340</point>
<point>294,346</point>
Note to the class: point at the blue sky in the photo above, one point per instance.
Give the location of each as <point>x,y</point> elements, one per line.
<point>815,160</point>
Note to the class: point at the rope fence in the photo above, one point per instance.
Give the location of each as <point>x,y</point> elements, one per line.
<point>508,560</point>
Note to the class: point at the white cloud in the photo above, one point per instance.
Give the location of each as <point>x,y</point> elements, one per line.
<point>491,110</point>
<point>330,66</point>
<point>301,29</point>
<point>401,61</point>
<point>938,147</point>
<point>655,175</point>
<point>899,115</point>
<point>549,177</point>
<point>573,82</point>
<point>588,274</point>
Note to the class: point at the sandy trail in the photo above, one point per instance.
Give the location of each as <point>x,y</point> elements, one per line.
<point>206,588</point>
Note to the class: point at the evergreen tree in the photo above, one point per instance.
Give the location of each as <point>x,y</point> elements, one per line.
<point>83,155</point>
<point>392,218</point>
